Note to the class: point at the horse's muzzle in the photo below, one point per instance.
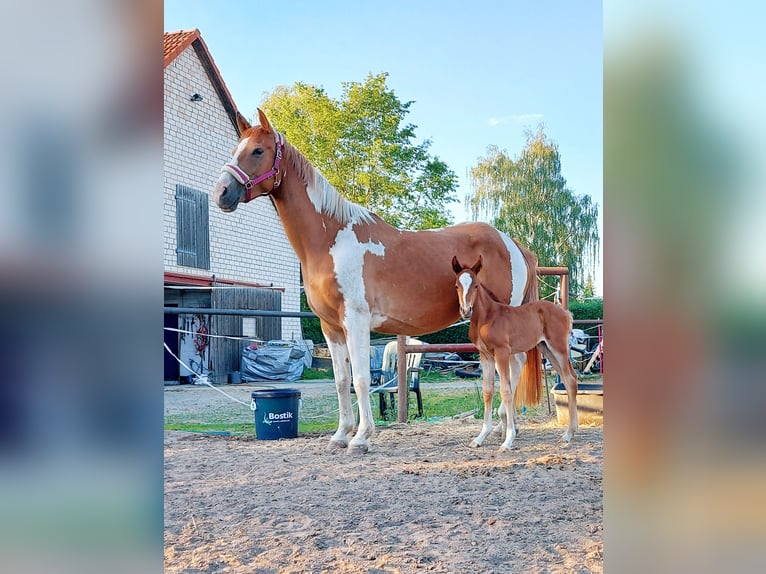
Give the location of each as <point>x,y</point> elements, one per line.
<point>227,197</point>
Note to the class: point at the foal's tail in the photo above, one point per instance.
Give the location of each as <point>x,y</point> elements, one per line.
<point>530,389</point>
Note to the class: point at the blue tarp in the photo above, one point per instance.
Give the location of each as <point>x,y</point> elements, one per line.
<point>275,361</point>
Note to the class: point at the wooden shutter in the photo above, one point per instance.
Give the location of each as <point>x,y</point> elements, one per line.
<point>192,228</point>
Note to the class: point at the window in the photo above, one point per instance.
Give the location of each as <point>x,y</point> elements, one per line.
<point>192,235</point>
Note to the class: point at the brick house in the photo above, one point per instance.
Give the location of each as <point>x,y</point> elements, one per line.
<point>214,259</point>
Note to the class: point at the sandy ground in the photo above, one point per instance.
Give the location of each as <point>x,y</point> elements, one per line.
<point>420,500</point>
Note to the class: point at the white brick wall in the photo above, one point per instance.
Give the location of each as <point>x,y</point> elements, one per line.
<point>247,245</point>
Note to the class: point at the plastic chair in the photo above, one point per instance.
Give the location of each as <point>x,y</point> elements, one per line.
<point>376,371</point>
<point>389,380</point>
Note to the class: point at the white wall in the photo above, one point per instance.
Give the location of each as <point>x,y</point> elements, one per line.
<point>247,245</point>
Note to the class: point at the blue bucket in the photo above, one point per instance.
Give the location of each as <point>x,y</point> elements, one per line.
<point>276,413</point>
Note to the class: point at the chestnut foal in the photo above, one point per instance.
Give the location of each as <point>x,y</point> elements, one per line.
<point>503,333</point>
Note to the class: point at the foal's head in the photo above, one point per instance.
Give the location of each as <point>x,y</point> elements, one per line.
<point>467,285</point>
<point>255,155</point>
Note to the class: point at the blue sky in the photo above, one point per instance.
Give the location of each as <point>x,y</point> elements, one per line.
<point>479,73</point>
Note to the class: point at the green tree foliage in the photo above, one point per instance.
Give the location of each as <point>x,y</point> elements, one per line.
<point>362,146</point>
<point>589,288</point>
<point>587,309</point>
<point>528,198</point>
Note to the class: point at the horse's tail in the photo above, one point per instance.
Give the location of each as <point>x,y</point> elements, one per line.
<point>530,389</point>
<point>532,290</point>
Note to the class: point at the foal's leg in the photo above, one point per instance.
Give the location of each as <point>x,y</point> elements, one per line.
<point>341,368</point>
<point>559,359</point>
<point>488,390</point>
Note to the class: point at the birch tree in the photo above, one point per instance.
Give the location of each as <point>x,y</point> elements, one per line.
<point>528,198</point>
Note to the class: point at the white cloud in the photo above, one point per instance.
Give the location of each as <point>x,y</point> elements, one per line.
<point>516,119</point>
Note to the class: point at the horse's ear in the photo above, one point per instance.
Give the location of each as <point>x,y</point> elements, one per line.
<point>477,266</point>
<point>456,265</point>
<point>264,121</point>
<point>242,123</point>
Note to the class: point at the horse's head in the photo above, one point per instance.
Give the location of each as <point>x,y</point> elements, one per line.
<point>467,285</point>
<point>254,162</point>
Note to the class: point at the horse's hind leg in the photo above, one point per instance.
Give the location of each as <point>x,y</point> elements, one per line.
<point>559,359</point>
<point>516,361</point>
<point>502,424</point>
<point>488,391</point>
<point>509,369</point>
<point>341,368</point>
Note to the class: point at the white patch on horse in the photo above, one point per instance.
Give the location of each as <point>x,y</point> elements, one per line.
<point>226,178</point>
<point>376,320</point>
<point>519,271</point>
<point>240,148</point>
<point>348,260</point>
<point>465,280</point>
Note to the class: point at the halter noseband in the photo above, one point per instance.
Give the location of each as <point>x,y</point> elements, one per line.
<point>251,182</point>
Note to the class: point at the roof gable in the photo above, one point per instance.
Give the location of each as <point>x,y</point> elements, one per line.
<point>176,42</point>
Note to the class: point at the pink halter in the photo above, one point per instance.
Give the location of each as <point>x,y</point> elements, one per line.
<point>250,182</point>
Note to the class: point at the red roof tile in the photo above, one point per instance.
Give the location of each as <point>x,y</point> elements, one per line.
<point>177,42</point>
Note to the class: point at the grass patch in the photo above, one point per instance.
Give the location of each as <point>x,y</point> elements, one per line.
<point>212,427</point>
<point>320,414</point>
<point>431,376</point>
<point>312,374</point>
<point>444,403</point>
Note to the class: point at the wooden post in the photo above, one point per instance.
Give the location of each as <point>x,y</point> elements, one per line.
<point>404,386</point>
<point>565,290</point>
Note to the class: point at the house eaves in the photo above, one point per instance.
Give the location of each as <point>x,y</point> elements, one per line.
<point>176,42</point>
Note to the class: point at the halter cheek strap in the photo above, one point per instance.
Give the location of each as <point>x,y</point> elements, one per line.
<point>251,182</point>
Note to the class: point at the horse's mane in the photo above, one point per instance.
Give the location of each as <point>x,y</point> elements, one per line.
<point>323,195</point>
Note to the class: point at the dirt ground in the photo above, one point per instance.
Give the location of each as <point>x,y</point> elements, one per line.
<point>420,500</point>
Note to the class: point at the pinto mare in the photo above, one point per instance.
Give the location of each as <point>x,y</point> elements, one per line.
<point>361,274</point>
<point>501,332</point>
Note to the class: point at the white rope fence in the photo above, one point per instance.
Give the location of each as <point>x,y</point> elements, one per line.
<point>202,379</point>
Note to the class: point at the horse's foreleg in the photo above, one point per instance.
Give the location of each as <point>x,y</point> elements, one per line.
<point>341,367</point>
<point>517,362</point>
<point>509,371</point>
<point>359,351</point>
<point>488,391</point>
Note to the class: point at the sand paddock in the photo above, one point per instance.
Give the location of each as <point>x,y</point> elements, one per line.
<point>420,500</point>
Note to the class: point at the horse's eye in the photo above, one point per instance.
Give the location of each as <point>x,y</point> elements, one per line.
<point>258,151</point>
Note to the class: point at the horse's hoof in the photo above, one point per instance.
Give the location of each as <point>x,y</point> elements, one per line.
<point>503,448</point>
<point>357,449</point>
<point>566,437</point>
<point>337,445</point>
<point>475,444</point>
